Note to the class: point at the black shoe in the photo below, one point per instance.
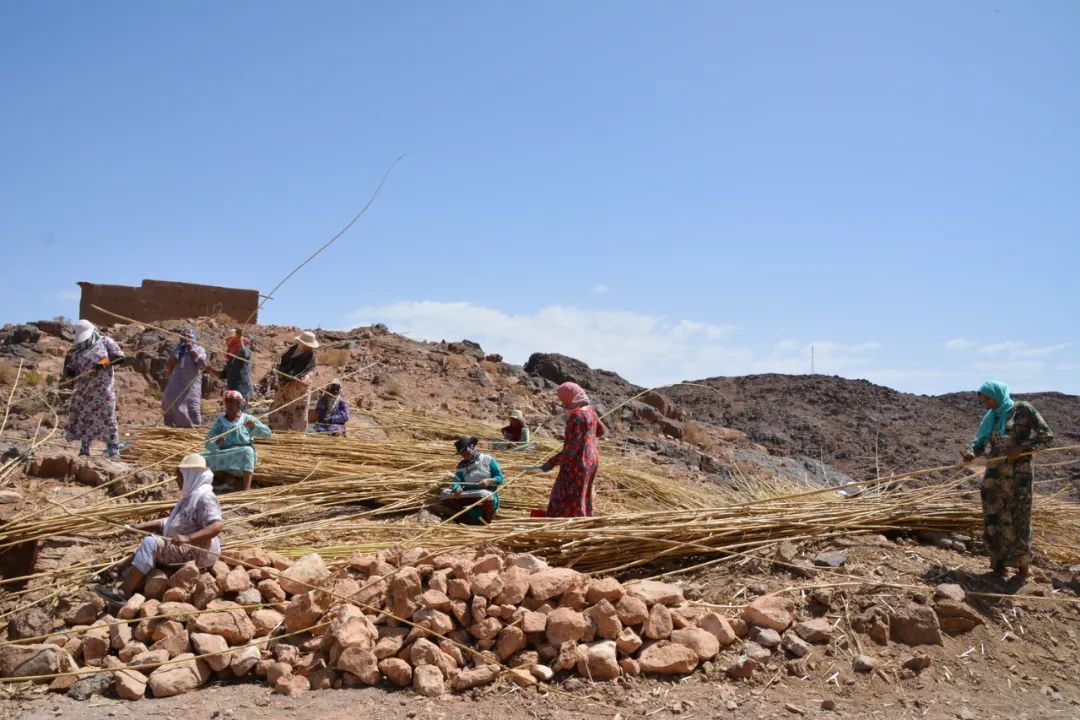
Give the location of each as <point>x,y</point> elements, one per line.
<point>112,595</point>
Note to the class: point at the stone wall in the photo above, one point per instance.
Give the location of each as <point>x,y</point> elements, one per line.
<point>157,300</point>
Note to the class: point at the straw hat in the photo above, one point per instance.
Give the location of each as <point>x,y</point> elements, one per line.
<point>83,330</point>
<point>307,338</point>
<point>517,415</point>
<point>194,461</point>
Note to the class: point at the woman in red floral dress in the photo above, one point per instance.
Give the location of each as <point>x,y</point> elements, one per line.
<point>578,460</point>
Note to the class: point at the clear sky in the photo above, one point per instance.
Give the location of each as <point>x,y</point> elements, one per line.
<point>667,189</point>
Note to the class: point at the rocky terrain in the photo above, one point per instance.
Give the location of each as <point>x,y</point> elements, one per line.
<point>860,626</point>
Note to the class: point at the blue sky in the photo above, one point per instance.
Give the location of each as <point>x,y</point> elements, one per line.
<point>669,190</point>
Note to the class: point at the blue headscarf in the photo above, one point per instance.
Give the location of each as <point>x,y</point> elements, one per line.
<point>994,420</point>
<point>181,347</point>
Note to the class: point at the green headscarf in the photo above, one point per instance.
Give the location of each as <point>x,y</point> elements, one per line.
<point>994,419</point>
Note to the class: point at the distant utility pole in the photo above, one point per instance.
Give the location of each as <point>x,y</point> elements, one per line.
<point>812,360</point>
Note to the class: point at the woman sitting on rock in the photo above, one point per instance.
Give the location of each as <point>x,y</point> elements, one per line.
<point>189,533</point>
<point>230,442</point>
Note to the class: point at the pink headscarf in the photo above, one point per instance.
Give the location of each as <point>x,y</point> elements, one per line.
<point>571,395</point>
<point>234,395</point>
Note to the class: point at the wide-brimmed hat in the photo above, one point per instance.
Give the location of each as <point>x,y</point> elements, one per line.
<point>517,415</point>
<point>83,330</point>
<point>194,461</point>
<point>307,338</point>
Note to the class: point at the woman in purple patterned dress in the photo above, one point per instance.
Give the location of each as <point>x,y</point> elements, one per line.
<point>92,412</point>
<point>182,399</point>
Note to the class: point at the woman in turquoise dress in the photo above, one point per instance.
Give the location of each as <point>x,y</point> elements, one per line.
<point>230,443</point>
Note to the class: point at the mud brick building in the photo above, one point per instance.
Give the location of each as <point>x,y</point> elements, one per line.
<point>157,300</point>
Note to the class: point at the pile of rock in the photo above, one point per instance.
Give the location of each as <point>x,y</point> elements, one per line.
<point>471,619</point>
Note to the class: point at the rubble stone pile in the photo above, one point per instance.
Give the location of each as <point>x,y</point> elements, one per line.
<point>450,622</point>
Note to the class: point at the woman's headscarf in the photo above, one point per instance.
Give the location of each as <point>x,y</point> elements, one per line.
<point>994,420</point>
<point>571,395</point>
<point>181,347</point>
<point>89,332</point>
<point>197,482</point>
<point>234,395</point>
<point>464,442</point>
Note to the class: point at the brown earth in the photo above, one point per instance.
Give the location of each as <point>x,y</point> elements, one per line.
<point>862,429</point>
<point>1022,663</point>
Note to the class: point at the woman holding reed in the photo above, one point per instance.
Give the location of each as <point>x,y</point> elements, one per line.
<point>579,459</point>
<point>1012,430</point>
<point>189,533</point>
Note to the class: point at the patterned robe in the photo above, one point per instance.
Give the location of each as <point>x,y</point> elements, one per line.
<point>238,373</point>
<point>578,461</point>
<point>333,414</point>
<point>92,413</point>
<point>182,399</point>
<point>1006,490</point>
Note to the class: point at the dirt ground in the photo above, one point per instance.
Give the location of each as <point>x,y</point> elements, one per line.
<point>1023,663</point>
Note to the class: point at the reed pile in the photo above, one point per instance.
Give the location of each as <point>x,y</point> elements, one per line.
<point>343,496</point>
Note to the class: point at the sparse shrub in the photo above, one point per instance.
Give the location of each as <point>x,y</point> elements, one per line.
<point>697,435</point>
<point>33,378</point>
<point>8,373</point>
<point>393,389</point>
<point>335,357</point>
<point>458,362</point>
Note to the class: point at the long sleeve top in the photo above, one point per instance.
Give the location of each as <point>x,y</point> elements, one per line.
<point>238,432</point>
<point>1025,430</point>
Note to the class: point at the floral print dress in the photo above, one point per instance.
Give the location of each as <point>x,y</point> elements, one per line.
<point>578,461</point>
<point>92,412</point>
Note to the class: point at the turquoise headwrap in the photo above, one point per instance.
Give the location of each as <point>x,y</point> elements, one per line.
<point>994,419</point>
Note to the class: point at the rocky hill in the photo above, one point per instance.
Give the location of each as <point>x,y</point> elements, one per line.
<point>860,428</point>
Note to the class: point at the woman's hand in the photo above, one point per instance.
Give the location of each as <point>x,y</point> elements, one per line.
<point>220,442</point>
<point>249,424</point>
<point>1013,452</point>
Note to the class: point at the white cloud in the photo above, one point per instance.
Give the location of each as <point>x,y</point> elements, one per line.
<point>1036,352</point>
<point>1017,349</point>
<point>646,349</point>
<point>599,289</point>
<point>1001,348</point>
<point>960,344</point>
<point>69,295</point>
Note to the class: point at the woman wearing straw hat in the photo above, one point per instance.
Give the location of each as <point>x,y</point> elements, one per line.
<point>182,398</point>
<point>290,408</point>
<point>516,433</point>
<point>189,533</point>
<point>1010,429</point>
<point>92,412</point>
<point>572,494</point>
<point>230,442</point>
<point>332,411</point>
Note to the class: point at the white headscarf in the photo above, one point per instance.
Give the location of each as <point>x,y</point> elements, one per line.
<point>197,482</point>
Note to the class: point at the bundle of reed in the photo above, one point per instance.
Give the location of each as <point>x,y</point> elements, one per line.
<point>303,477</point>
<point>617,542</point>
